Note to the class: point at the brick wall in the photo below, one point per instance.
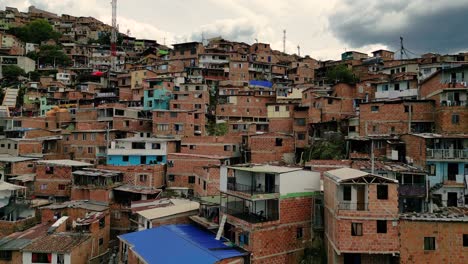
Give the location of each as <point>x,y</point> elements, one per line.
<point>155,174</point>
<point>50,182</point>
<point>264,147</point>
<point>448,237</point>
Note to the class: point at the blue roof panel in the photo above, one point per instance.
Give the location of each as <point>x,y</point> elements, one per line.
<point>179,244</point>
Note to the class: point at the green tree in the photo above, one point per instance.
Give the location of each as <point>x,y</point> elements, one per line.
<point>12,72</point>
<point>50,54</point>
<point>341,73</point>
<point>36,31</point>
<point>104,39</point>
<point>217,129</point>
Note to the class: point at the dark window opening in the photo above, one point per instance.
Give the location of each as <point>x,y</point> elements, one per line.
<point>191,179</point>
<point>429,243</point>
<point>382,192</point>
<point>381,226</point>
<point>299,233</point>
<point>279,142</point>
<point>346,193</point>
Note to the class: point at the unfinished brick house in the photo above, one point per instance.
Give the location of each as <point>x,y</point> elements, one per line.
<point>195,174</point>
<point>267,210</point>
<point>361,217</point>
<point>54,178</point>
<point>270,147</point>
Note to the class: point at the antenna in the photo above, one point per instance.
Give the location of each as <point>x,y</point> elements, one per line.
<point>402,48</point>
<point>298,50</point>
<point>284,40</point>
<point>128,32</point>
<point>113,39</point>
<point>203,38</point>
<point>256,40</point>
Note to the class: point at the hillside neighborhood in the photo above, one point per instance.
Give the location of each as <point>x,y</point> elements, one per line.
<point>115,149</point>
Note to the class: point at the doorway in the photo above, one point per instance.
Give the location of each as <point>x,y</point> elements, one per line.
<point>361,197</point>
<point>452,198</point>
<point>269,183</point>
<point>452,171</point>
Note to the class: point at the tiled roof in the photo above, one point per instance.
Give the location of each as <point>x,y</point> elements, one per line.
<point>57,243</point>
<point>446,214</point>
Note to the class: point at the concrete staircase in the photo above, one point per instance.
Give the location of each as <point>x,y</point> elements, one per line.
<point>10,97</point>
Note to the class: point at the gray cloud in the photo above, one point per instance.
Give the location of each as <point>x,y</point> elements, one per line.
<point>427,26</point>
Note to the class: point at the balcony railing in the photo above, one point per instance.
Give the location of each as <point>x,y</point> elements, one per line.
<point>353,206</point>
<point>396,94</point>
<point>447,154</point>
<point>252,190</point>
<point>251,217</point>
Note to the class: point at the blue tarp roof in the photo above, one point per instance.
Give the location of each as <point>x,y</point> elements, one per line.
<point>179,244</point>
<point>260,83</point>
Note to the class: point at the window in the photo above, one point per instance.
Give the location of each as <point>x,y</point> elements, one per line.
<point>171,177</point>
<point>61,187</point>
<point>278,142</point>
<point>101,241</point>
<point>5,255</point>
<point>204,185</point>
<point>300,121</point>
<point>277,108</point>
<point>93,136</point>
<point>375,108</point>
<point>300,136</point>
<point>90,150</point>
<point>60,259</point>
<point>138,145</point>
<point>41,257</point>
<point>117,215</point>
<point>191,179</point>
<point>125,158</point>
<point>382,192</point>
<point>429,243</point>
<point>244,238</point>
<point>465,240</point>
<point>143,177</point>
<point>227,148</point>
<point>191,146</point>
<point>356,229</point>
<point>346,193</point>
<point>163,127</point>
<point>102,223</point>
<point>455,119</point>
<point>173,114</point>
<point>49,170</point>
<point>299,233</point>
<point>397,87</point>
<point>84,136</point>
<point>43,186</point>
<point>156,146</point>
<point>407,107</point>
<point>431,168</point>
<point>381,226</point>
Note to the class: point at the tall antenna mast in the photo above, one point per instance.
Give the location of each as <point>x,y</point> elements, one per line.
<point>284,40</point>
<point>402,48</point>
<point>298,50</point>
<point>113,39</point>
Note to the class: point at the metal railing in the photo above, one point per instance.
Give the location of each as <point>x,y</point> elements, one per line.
<point>249,189</point>
<point>251,217</point>
<point>417,189</point>
<point>353,206</point>
<point>447,153</point>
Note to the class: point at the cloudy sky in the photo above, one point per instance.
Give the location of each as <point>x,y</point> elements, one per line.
<point>322,29</point>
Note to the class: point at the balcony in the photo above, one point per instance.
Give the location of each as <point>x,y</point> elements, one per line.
<point>251,217</point>
<point>396,94</point>
<point>446,154</point>
<point>353,206</point>
<point>252,190</point>
<point>412,190</point>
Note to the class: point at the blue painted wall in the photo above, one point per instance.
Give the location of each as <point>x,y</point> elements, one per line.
<point>117,160</point>
<point>160,99</point>
<point>441,171</point>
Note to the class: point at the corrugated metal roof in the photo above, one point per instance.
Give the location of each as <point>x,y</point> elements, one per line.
<point>174,244</point>
<point>265,168</point>
<point>7,243</point>
<point>65,162</point>
<point>344,174</point>
<point>179,206</point>
<point>10,158</point>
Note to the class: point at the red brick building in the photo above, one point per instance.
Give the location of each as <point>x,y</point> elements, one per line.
<point>268,210</point>
<point>54,177</point>
<point>361,217</point>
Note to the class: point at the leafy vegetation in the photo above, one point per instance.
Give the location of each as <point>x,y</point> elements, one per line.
<point>12,72</point>
<point>341,74</point>
<point>217,129</point>
<point>50,55</point>
<point>35,32</point>
<point>327,149</point>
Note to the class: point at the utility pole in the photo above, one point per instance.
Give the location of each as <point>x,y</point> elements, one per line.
<point>298,50</point>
